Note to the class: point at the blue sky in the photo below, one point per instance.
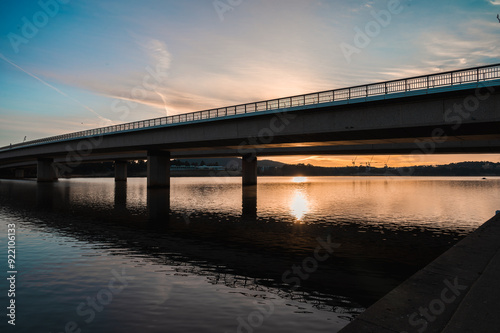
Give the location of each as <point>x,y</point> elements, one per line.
<point>93,63</point>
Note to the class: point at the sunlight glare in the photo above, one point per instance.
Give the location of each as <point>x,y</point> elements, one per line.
<point>299,205</point>
<point>299,179</point>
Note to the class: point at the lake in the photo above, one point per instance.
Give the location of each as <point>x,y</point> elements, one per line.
<point>302,254</point>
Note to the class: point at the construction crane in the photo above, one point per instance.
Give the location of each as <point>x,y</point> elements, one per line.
<point>369,164</point>
<point>386,162</point>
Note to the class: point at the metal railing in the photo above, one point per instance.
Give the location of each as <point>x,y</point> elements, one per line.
<point>452,78</point>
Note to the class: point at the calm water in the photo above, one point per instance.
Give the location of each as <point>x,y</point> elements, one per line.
<point>210,257</point>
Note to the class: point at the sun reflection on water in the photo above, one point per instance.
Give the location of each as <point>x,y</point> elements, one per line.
<point>299,179</point>
<point>299,205</point>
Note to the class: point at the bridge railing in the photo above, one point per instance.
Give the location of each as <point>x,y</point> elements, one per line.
<point>452,78</point>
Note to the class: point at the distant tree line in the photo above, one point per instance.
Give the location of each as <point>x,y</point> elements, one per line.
<point>139,169</point>
<point>453,169</point>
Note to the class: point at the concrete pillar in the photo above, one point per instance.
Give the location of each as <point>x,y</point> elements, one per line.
<point>158,169</point>
<point>120,171</point>
<point>46,171</point>
<point>19,173</point>
<point>249,170</point>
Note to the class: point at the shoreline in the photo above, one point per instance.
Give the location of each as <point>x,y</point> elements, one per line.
<point>454,293</point>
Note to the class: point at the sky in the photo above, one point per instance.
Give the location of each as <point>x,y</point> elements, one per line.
<point>68,65</point>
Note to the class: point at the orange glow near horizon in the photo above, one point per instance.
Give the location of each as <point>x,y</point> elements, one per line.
<point>379,161</point>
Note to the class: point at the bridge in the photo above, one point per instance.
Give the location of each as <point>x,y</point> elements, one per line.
<point>450,112</point>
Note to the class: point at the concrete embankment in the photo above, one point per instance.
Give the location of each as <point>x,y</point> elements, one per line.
<point>457,292</point>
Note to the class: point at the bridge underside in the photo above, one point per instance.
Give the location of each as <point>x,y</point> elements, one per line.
<point>159,166</point>
<point>489,144</point>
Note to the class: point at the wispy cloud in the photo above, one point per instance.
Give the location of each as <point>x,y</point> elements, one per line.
<point>105,120</point>
<point>162,60</point>
<point>14,126</point>
<point>158,52</point>
<point>473,46</point>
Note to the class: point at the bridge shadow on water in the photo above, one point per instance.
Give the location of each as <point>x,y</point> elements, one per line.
<point>237,250</point>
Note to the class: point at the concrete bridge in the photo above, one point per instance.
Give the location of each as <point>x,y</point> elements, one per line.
<point>451,112</point>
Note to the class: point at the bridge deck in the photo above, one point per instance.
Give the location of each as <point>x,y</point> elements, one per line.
<point>458,292</point>
<point>422,85</point>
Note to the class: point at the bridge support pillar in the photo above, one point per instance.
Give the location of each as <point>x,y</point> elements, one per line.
<point>249,170</point>
<point>120,171</point>
<point>19,173</point>
<point>158,169</point>
<point>46,170</point>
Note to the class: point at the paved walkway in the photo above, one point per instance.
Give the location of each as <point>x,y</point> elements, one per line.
<point>458,292</point>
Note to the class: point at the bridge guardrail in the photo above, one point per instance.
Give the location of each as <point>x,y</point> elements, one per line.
<point>451,78</point>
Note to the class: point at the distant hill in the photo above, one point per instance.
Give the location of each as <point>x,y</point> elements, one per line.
<point>453,169</point>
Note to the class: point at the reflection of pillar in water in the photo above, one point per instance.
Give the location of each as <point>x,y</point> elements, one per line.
<point>249,201</point>
<point>45,193</point>
<point>159,204</point>
<point>66,194</point>
<point>121,196</point>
